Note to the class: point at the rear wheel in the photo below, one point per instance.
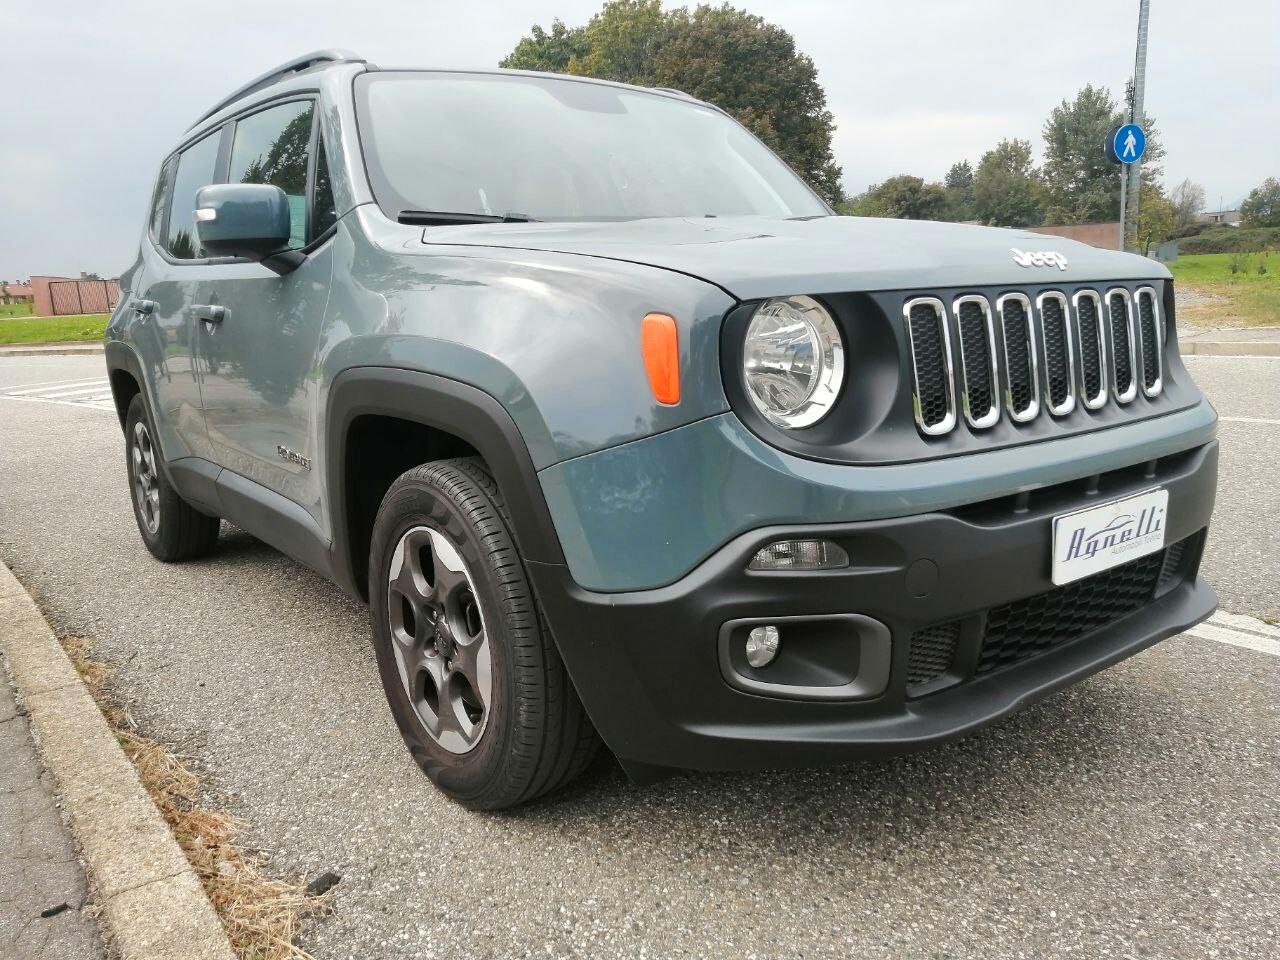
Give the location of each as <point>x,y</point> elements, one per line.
<point>171,528</point>
<point>473,677</point>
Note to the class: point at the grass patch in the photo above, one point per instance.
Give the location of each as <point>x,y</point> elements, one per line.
<point>73,329</point>
<point>15,310</point>
<point>1246,288</point>
<point>259,913</point>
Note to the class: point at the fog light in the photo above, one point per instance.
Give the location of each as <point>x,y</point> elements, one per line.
<point>800,555</point>
<point>762,645</point>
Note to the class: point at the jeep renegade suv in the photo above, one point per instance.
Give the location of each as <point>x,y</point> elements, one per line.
<point>624,436</point>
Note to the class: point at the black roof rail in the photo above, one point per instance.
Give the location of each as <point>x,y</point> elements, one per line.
<point>296,65</point>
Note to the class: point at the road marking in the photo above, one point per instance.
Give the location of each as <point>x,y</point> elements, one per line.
<point>1248,420</point>
<point>52,385</point>
<point>1239,631</point>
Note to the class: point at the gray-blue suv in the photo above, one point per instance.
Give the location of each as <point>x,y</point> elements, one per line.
<point>625,436</point>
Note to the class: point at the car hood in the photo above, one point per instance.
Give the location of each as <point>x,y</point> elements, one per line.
<point>753,257</point>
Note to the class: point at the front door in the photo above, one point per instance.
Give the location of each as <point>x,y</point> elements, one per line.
<point>259,332</point>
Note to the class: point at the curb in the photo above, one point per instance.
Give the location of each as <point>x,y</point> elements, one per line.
<point>152,904</point>
<point>51,350</point>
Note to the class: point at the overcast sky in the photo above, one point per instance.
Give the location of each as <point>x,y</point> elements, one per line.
<point>94,94</point>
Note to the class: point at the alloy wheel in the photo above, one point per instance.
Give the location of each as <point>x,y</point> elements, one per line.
<point>439,638</point>
<point>146,478</point>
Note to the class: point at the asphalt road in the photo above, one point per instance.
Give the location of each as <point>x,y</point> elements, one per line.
<point>1134,815</point>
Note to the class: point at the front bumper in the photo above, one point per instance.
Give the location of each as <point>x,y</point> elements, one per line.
<point>649,666</point>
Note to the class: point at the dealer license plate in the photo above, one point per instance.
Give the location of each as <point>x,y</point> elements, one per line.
<point>1099,538</point>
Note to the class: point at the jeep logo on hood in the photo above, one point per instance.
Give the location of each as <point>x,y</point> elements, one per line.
<point>1039,258</point>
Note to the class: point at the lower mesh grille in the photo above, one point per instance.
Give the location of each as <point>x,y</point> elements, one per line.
<point>1121,357</point>
<point>932,651</point>
<point>1022,629</point>
<point>1018,631</point>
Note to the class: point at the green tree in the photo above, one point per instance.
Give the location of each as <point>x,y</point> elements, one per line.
<point>1081,184</point>
<point>1006,190</point>
<point>744,65</point>
<point>1262,207</point>
<point>1157,218</point>
<point>903,197</point>
<point>959,186</point>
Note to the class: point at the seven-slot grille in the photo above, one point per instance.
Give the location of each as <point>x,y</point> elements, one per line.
<point>1020,355</point>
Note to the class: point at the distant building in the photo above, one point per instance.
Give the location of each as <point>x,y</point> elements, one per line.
<point>1230,218</point>
<point>15,293</point>
<point>1103,235</point>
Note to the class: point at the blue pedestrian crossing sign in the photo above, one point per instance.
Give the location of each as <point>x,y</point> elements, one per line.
<point>1127,143</point>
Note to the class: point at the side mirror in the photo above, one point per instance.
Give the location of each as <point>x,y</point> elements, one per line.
<point>246,220</point>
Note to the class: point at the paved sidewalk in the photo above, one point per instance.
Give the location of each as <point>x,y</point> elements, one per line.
<point>1231,342</point>
<point>42,885</point>
<point>51,349</point>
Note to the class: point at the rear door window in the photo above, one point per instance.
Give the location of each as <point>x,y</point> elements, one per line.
<point>274,146</point>
<point>197,167</point>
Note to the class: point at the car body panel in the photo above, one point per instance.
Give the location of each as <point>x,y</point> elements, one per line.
<point>639,516</point>
<point>754,257</point>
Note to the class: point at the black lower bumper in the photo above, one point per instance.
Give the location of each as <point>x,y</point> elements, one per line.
<point>652,671</point>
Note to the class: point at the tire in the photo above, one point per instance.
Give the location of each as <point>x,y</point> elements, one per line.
<point>473,677</point>
<point>171,528</point>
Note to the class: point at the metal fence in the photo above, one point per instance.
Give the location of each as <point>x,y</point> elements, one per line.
<point>83,296</point>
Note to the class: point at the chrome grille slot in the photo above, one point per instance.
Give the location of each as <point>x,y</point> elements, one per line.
<point>1120,321</point>
<point>934,396</point>
<point>1059,382</point>
<point>979,399</point>
<point>1151,347</point>
<point>1091,338</point>
<point>1022,392</point>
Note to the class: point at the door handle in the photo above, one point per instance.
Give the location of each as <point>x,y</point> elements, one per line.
<point>209,312</point>
<point>144,307</point>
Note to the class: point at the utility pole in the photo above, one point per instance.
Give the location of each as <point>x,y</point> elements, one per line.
<point>1131,186</point>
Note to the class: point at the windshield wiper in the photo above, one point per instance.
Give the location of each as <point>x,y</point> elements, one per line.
<point>436,218</point>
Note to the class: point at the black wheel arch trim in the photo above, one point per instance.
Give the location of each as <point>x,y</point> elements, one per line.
<point>453,407</point>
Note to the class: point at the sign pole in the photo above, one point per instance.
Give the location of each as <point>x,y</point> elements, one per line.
<point>1131,188</point>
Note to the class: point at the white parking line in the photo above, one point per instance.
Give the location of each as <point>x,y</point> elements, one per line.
<point>52,385</point>
<point>80,404</point>
<point>1239,631</point>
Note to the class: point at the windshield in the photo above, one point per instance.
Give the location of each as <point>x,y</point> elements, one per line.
<point>499,145</point>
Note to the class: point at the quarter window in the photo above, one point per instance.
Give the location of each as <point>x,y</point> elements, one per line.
<point>160,199</point>
<point>323,214</point>
<point>273,146</point>
<point>196,168</point>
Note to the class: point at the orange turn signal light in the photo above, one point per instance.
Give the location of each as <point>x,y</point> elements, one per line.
<point>661,348</point>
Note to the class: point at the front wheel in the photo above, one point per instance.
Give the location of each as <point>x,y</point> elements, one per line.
<point>171,528</point>
<point>473,677</point>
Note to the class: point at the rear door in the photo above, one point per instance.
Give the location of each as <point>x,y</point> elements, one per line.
<point>165,331</point>
<point>259,384</point>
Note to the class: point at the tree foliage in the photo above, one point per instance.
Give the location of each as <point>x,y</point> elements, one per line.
<point>1006,189</point>
<point>736,60</point>
<point>903,197</point>
<point>1081,185</point>
<point>1262,207</point>
<point>1157,219</point>
<point>958,184</point>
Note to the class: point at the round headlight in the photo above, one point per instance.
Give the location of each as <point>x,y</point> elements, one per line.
<point>793,360</point>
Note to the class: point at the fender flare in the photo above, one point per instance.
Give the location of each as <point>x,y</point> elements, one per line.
<point>452,407</point>
<point>120,356</point>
